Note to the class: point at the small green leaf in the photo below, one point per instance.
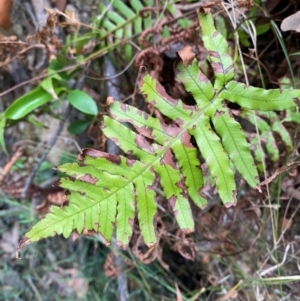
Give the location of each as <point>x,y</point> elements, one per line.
<point>262,125</point>
<point>262,28</point>
<point>27,103</point>
<point>78,126</point>
<point>244,37</point>
<point>2,126</point>
<point>259,154</point>
<point>82,102</point>
<point>221,25</point>
<point>47,85</point>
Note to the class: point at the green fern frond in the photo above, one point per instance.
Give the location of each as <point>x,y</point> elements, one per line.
<point>106,190</point>
<point>236,145</point>
<point>267,124</point>
<point>122,22</point>
<point>260,99</point>
<point>217,46</point>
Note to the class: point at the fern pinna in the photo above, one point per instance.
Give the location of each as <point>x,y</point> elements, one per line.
<point>106,190</point>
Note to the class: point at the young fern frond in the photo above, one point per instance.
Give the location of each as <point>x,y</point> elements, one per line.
<point>122,22</point>
<point>268,123</point>
<point>106,190</point>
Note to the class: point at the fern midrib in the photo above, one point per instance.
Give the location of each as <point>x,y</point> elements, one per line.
<point>167,137</point>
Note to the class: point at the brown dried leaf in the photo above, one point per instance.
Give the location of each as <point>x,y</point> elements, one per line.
<point>109,100</point>
<point>56,198</point>
<point>286,223</point>
<point>185,246</point>
<point>23,242</point>
<point>187,55</point>
<point>110,268</point>
<point>145,257</point>
<point>10,49</point>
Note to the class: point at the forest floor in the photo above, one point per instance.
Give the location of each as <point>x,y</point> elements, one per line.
<point>247,252</point>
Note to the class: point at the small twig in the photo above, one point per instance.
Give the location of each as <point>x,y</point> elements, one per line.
<point>42,76</point>
<point>115,74</point>
<point>273,268</point>
<point>10,163</point>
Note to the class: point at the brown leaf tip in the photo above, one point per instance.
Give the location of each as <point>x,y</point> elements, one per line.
<point>187,55</point>
<point>296,101</point>
<point>109,100</point>
<point>24,242</point>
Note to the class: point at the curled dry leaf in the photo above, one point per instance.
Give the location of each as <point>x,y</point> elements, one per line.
<point>153,253</point>
<point>110,268</point>
<point>55,198</point>
<point>185,246</point>
<point>149,256</point>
